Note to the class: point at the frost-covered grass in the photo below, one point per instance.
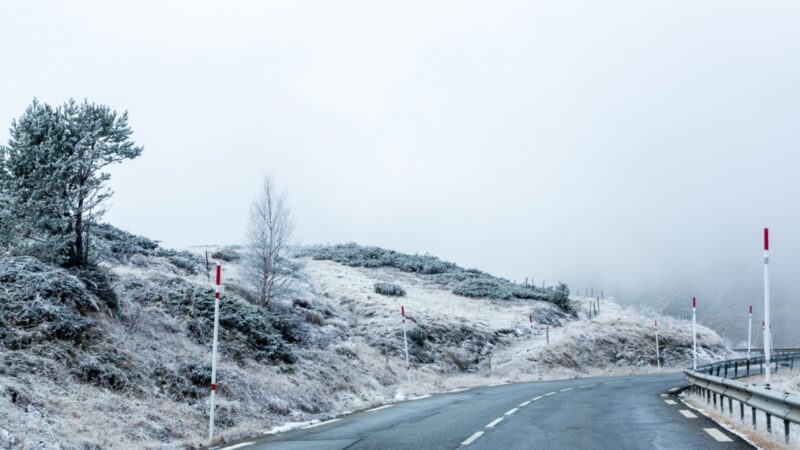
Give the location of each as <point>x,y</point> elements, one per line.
<point>138,376</point>
<point>464,282</point>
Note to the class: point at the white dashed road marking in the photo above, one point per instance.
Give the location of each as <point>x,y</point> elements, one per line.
<point>688,414</point>
<point>586,386</point>
<point>511,411</point>
<point>321,423</point>
<point>549,393</point>
<point>664,395</point>
<point>567,389</point>
<point>675,389</point>
<point>716,434</point>
<point>536,398</point>
<point>525,403</point>
<point>472,438</point>
<point>379,408</point>
<point>243,444</point>
<point>670,402</point>
<point>494,422</point>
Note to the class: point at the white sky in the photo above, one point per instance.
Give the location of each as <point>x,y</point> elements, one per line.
<point>608,144</point>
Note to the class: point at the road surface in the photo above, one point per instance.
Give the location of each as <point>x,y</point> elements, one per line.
<point>587,413</point>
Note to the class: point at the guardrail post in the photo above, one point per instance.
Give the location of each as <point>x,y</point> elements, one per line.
<point>726,370</point>
<point>748,367</point>
<point>786,430</point>
<point>769,423</point>
<point>754,417</point>
<point>714,395</point>
<point>741,409</point>
<point>730,405</point>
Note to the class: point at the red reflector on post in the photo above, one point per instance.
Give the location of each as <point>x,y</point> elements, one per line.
<point>402,310</point>
<point>213,387</point>
<point>219,273</point>
<point>694,302</point>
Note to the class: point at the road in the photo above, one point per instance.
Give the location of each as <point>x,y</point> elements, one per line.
<point>587,413</point>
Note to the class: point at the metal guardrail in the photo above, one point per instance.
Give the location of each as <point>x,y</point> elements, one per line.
<point>716,379</point>
<point>775,351</point>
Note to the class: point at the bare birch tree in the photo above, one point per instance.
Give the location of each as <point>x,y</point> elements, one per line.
<point>269,233</point>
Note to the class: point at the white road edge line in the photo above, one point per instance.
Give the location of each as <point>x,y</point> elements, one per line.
<point>670,402</point>
<point>511,411</point>
<point>240,445</point>
<point>420,397</point>
<point>718,435</point>
<point>688,414</point>
<point>321,423</point>
<point>567,389</point>
<point>458,390</point>
<point>494,422</point>
<point>472,438</point>
<point>379,408</point>
<point>525,403</point>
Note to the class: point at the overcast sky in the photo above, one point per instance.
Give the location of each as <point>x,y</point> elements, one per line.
<point>607,144</point>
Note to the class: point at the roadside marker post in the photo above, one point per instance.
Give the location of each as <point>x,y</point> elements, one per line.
<point>694,333</point>
<point>658,350</point>
<point>530,320</point>
<point>214,355</point>
<point>405,343</point>
<point>767,327</point>
<point>749,331</point>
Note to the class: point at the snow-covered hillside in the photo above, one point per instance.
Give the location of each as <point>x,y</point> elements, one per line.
<point>123,362</point>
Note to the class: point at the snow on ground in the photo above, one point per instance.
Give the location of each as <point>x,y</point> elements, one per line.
<point>786,381</point>
<point>349,358</point>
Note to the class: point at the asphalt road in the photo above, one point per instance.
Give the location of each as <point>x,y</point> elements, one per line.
<point>587,413</point>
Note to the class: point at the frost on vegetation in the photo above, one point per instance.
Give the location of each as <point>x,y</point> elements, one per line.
<point>228,254</point>
<point>251,331</point>
<point>389,289</point>
<point>465,282</point>
<point>40,302</point>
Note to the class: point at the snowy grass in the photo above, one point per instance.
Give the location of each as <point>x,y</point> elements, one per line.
<point>349,358</point>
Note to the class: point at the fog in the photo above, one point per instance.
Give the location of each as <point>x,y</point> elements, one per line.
<point>638,148</point>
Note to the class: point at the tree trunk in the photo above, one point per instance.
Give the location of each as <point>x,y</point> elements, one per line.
<point>77,259</point>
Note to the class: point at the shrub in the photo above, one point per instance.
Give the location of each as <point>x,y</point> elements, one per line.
<point>111,242</point>
<point>418,336</point>
<point>40,299</point>
<point>483,287</point>
<point>188,262</point>
<point>357,256</point>
<point>250,330</point>
<point>227,254</point>
<point>391,290</point>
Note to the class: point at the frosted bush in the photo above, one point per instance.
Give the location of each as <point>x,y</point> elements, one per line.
<point>227,254</point>
<point>483,287</point>
<point>389,289</point>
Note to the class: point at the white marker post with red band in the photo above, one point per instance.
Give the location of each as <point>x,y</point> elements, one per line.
<point>749,331</point>
<point>694,333</point>
<point>214,355</point>
<point>658,350</point>
<point>405,342</point>
<point>767,328</point>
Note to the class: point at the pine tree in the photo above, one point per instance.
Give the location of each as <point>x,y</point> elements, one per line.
<point>51,172</point>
